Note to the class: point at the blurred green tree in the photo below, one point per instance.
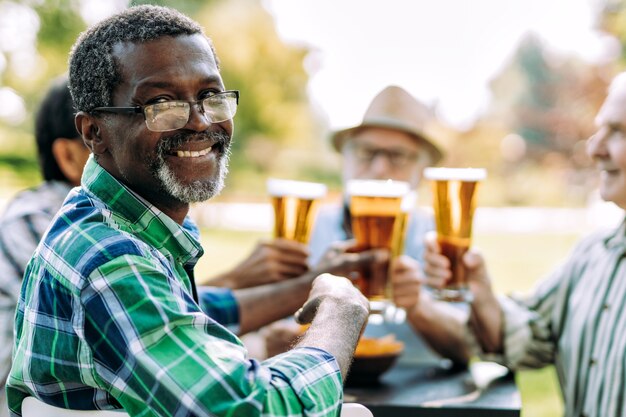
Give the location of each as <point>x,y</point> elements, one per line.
<point>274,123</point>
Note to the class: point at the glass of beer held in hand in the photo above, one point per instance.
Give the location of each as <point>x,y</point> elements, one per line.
<point>294,205</point>
<point>454,192</point>
<point>374,207</point>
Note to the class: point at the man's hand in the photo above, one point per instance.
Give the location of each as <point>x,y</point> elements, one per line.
<point>335,289</point>
<point>437,269</point>
<point>270,261</point>
<point>337,312</point>
<point>340,260</point>
<point>406,279</point>
<point>486,315</point>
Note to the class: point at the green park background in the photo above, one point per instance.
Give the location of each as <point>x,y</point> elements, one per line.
<point>531,138</point>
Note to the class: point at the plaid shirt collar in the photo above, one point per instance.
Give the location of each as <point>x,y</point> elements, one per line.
<point>136,215</point>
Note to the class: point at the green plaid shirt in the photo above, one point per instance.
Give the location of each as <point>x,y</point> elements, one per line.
<point>106,319</point>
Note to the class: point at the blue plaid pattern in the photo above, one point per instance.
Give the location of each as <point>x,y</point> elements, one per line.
<point>106,319</point>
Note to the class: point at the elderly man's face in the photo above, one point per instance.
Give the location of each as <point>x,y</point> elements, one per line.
<point>607,146</point>
<point>169,169</point>
<point>378,153</point>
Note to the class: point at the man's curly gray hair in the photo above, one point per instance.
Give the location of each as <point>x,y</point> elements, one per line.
<point>93,72</point>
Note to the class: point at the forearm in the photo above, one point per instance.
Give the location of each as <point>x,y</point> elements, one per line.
<point>487,322</point>
<point>336,329</point>
<point>259,306</point>
<point>442,326</point>
<point>224,280</point>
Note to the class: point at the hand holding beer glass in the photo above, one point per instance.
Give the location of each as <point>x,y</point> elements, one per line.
<point>454,193</point>
<point>294,204</point>
<point>375,206</point>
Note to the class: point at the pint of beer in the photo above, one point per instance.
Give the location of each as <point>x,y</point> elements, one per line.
<point>294,205</point>
<point>398,237</point>
<point>374,208</point>
<point>454,192</point>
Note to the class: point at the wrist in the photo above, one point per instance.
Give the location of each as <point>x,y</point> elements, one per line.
<point>484,299</point>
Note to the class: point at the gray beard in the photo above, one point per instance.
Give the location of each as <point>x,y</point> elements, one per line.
<point>197,191</point>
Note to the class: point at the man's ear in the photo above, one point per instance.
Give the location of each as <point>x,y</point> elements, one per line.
<point>88,127</point>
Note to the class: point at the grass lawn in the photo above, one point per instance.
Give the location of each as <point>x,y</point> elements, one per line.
<point>516,262</point>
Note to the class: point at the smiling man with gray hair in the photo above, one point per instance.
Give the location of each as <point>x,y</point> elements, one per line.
<point>109,316</point>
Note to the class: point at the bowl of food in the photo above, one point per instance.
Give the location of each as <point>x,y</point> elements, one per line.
<point>372,358</point>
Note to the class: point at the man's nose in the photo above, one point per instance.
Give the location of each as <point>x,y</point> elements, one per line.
<point>198,121</point>
<point>381,166</point>
<point>596,144</point>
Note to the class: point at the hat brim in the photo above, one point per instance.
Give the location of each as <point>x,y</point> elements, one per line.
<point>338,138</point>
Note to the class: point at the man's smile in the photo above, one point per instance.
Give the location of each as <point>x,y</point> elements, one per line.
<point>193,154</point>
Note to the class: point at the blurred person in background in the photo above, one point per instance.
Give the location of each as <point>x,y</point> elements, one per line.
<point>62,156</point>
<point>575,318</point>
<point>393,141</point>
<point>109,315</point>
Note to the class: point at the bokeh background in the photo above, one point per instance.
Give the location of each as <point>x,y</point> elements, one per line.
<point>515,86</point>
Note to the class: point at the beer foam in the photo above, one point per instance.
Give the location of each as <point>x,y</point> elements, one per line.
<point>377,188</point>
<point>291,188</point>
<point>458,174</point>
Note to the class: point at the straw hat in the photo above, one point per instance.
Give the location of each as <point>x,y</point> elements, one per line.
<point>394,108</point>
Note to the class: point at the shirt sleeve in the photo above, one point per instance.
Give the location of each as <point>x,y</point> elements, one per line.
<point>154,349</point>
<point>530,328</point>
<point>18,239</point>
<point>221,305</point>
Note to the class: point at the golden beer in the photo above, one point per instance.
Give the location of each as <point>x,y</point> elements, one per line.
<point>374,208</point>
<point>454,192</point>
<point>398,237</point>
<point>294,204</point>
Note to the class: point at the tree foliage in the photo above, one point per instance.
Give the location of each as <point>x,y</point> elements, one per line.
<point>274,113</point>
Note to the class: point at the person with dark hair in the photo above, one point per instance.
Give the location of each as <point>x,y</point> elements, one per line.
<point>62,156</point>
<point>109,315</point>
<point>61,152</point>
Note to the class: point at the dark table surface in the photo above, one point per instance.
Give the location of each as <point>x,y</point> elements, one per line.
<point>422,384</point>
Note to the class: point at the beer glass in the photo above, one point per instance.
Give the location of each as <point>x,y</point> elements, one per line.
<point>454,192</point>
<point>400,226</point>
<point>294,205</point>
<point>374,208</point>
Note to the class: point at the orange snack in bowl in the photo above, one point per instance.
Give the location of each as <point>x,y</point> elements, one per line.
<point>387,345</point>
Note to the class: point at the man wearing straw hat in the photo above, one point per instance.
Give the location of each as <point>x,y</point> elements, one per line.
<point>392,142</point>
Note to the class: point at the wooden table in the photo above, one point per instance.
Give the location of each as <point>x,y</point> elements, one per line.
<point>423,384</point>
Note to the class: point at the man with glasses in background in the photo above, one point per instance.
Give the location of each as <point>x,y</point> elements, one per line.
<point>393,141</point>
<point>109,316</point>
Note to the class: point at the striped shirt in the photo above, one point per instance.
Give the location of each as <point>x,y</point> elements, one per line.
<point>24,221</point>
<point>576,320</point>
<point>106,319</point>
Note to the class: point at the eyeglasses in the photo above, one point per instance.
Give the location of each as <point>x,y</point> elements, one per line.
<point>398,158</point>
<point>174,114</point>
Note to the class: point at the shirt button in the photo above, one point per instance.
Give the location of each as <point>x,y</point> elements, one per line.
<point>592,362</point>
<point>606,306</point>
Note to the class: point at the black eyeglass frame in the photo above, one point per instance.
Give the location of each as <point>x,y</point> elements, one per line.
<point>141,109</point>
<point>366,154</point>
